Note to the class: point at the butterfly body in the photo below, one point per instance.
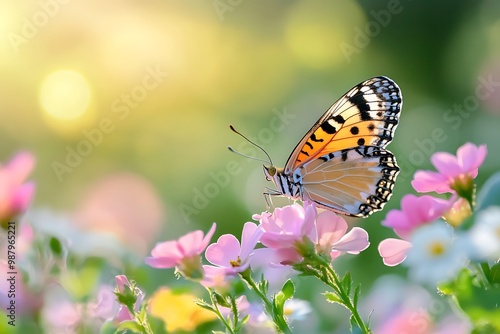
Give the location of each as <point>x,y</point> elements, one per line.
<point>341,164</point>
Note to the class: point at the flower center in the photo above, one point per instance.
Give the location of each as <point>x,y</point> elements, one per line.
<point>436,248</point>
<point>235,263</point>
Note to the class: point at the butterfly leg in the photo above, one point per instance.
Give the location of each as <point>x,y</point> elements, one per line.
<point>268,197</point>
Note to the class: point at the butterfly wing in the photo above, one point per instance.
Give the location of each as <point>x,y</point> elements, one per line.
<point>342,163</point>
<point>366,115</point>
<point>355,181</point>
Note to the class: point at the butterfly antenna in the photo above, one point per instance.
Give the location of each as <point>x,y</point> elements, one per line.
<point>251,142</point>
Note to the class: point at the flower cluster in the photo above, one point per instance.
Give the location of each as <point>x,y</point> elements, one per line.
<point>432,243</point>
<point>445,239</point>
<point>451,242</point>
<point>295,239</point>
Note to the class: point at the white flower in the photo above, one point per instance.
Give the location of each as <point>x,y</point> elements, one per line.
<point>485,234</point>
<point>297,309</point>
<point>436,254</point>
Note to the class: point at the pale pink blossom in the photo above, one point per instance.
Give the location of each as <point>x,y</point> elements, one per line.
<point>393,251</point>
<point>227,252</point>
<point>287,225</point>
<point>332,236</point>
<point>450,169</point>
<point>183,253</point>
<point>64,316</point>
<point>415,212</point>
<point>15,194</point>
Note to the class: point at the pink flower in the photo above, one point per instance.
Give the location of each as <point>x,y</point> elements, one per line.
<point>125,293</point>
<point>287,225</point>
<point>416,211</point>
<point>393,251</point>
<point>227,252</point>
<point>183,253</point>
<point>105,305</point>
<point>15,195</point>
<point>333,239</point>
<point>452,171</point>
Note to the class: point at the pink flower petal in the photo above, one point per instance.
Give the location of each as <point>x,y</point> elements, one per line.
<point>214,277</point>
<point>21,166</point>
<point>393,251</point>
<point>22,197</point>
<point>249,238</point>
<point>189,243</point>
<point>161,263</point>
<point>225,250</point>
<point>446,164</point>
<point>207,239</point>
<point>355,241</point>
<point>330,227</point>
<point>470,157</point>
<point>122,315</point>
<point>121,281</point>
<point>167,249</point>
<point>427,181</point>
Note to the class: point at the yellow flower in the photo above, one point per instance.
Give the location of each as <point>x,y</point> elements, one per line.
<point>178,311</point>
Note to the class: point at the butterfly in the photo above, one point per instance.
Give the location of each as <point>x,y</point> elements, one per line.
<point>342,163</point>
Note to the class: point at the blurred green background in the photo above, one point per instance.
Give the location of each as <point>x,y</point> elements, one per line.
<point>126,104</point>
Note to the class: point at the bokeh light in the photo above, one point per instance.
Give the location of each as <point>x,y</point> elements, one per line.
<point>65,95</point>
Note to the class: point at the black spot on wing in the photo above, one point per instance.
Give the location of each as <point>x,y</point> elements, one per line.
<point>313,138</point>
<point>360,102</point>
<point>339,119</point>
<point>328,128</point>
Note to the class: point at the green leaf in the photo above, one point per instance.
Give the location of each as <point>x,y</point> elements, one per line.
<point>480,305</point>
<point>288,289</point>
<point>204,304</point>
<point>347,282</point>
<point>495,273</point>
<point>332,297</point>
<point>242,322</point>
<point>220,299</point>
<point>356,296</point>
<point>55,246</point>
<point>129,325</point>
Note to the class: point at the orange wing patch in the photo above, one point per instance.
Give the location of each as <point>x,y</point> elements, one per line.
<point>367,115</point>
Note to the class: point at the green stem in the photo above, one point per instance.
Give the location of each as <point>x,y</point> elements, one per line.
<point>279,321</point>
<point>486,272</point>
<point>219,314</point>
<point>343,295</point>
